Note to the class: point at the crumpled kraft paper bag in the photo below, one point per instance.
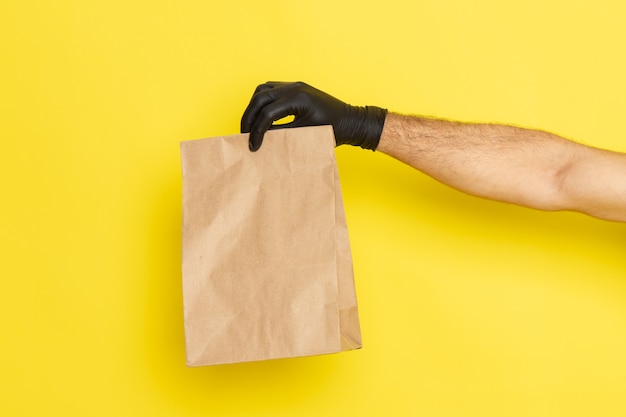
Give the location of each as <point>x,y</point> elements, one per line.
<point>267,268</point>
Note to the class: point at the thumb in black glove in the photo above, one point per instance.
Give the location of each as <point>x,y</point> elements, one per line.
<point>359,126</point>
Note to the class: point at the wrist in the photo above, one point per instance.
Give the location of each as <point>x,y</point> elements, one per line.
<point>361,126</point>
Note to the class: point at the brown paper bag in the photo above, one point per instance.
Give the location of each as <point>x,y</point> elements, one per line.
<point>267,268</point>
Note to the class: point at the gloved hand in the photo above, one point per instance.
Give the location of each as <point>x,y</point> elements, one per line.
<point>361,126</point>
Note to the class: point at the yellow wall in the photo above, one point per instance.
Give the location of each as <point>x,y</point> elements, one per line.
<point>468,307</point>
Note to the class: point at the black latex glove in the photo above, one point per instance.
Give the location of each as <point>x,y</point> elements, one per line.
<point>360,126</point>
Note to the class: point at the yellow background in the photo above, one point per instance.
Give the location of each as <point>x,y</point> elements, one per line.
<point>468,307</point>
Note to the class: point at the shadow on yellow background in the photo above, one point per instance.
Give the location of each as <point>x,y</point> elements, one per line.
<point>468,307</point>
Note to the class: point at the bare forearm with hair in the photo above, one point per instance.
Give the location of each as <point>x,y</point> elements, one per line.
<point>515,165</point>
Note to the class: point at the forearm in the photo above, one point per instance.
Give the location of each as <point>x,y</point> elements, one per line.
<point>511,164</point>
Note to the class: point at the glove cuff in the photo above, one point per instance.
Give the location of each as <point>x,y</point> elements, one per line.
<point>361,126</point>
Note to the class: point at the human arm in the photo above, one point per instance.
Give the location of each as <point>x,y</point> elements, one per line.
<point>527,167</point>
